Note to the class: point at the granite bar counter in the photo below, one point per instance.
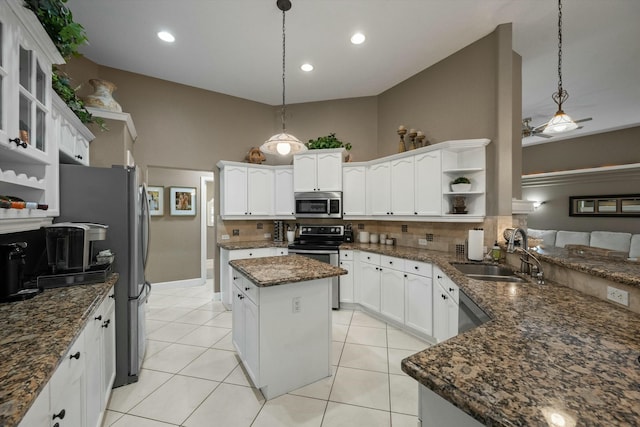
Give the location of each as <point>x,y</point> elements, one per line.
<point>34,336</point>
<point>251,244</point>
<point>278,270</point>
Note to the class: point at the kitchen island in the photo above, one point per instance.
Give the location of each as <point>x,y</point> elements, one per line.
<point>282,320</point>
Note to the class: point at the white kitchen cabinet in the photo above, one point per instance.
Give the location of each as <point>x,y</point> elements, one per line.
<point>68,387</point>
<point>318,170</point>
<point>246,191</point>
<point>445,307</point>
<point>402,186</point>
<point>370,281</point>
<point>260,200</point>
<point>245,330</point>
<point>28,148</point>
<point>354,190</point>
<point>237,318</point>
<point>284,200</point>
<point>226,271</point>
<point>428,183</point>
<point>418,306</point>
<point>347,291</point>
<point>73,137</point>
<point>379,188</point>
<point>392,293</point>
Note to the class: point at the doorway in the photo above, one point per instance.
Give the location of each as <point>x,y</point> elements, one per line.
<point>208,233</point>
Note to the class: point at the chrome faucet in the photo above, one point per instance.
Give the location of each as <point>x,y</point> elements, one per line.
<point>526,266</point>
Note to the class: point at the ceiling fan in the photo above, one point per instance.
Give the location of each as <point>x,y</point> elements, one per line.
<point>528,130</point>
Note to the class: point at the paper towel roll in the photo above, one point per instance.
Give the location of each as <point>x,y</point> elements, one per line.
<point>476,241</point>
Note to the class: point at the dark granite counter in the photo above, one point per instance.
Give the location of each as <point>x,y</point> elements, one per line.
<point>252,244</point>
<point>34,336</point>
<point>278,270</point>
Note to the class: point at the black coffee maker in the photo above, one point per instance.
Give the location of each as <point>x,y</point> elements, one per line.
<point>12,262</point>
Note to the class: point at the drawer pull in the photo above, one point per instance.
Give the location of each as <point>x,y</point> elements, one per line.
<point>75,356</point>
<point>19,142</point>
<point>112,296</point>
<point>416,267</point>
<point>439,276</point>
<point>451,289</point>
<point>247,288</point>
<point>98,317</point>
<point>443,296</point>
<point>60,415</point>
<point>105,324</point>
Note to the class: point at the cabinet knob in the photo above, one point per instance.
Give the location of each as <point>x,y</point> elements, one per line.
<point>391,213</point>
<point>416,267</point>
<point>105,324</point>
<point>98,317</point>
<point>235,278</point>
<point>405,275</point>
<point>451,289</point>
<point>387,213</point>
<point>112,296</point>
<point>60,415</point>
<point>247,288</point>
<point>415,213</point>
<point>75,356</point>
<point>78,156</point>
<point>439,276</point>
<point>19,142</point>
<point>391,262</point>
<point>250,254</point>
<point>443,296</point>
<point>56,425</point>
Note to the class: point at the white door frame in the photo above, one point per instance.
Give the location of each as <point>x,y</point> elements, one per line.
<point>204,181</point>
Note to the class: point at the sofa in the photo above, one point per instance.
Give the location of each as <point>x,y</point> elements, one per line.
<point>622,242</point>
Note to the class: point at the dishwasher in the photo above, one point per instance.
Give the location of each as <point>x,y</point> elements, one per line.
<point>469,314</point>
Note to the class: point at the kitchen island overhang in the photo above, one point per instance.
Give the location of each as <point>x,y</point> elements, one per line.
<point>282,320</point>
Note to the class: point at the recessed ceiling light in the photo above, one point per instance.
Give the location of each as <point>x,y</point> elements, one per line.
<point>306,67</point>
<point>166,37</point>
<point>358,38</point>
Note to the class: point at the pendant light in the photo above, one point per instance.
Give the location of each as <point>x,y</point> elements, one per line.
<point>560,122</point>
<point>283,143</point>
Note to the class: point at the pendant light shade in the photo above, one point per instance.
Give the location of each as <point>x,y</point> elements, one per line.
<point>283,143</point>
<point>560,122</point>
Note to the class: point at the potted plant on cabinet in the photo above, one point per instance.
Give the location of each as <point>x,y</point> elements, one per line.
<point>461,184</point>
<point>329,141</point>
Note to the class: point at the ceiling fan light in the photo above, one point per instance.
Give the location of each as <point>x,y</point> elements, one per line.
<point>560,123</point>
<point>283,144</point>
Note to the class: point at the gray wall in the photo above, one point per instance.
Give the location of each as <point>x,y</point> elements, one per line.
<point>605,149</point>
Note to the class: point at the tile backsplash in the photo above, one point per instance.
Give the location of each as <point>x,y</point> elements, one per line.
<point>439,236</point>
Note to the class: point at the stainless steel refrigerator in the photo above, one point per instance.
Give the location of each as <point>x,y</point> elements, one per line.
<point>116,197</point>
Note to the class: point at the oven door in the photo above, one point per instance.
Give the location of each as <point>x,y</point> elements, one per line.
<point>329,257</point>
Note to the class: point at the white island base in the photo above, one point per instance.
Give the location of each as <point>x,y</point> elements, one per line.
<point>282,333</point>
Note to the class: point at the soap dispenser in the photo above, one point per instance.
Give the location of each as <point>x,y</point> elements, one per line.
<point>496,253</point>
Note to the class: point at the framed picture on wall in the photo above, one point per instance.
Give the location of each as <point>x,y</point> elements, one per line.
<point>155,195</point>
<point>183,201</point>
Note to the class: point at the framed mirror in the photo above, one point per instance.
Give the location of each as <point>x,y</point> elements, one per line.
<point>617,205</point>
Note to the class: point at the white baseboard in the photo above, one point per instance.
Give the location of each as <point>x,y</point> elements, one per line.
<point>179,283</point>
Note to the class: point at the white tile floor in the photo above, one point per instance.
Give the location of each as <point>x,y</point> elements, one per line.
<point>191,376</point>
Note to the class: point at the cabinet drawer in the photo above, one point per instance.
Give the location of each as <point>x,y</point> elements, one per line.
<point>391,262</point>
<point>346,255</point>
<point>281,251</point>
<point>447,284</point>
<point>250,253</point>
<point>419,268</point>
<point>250,290</point>
<point>370,258</point>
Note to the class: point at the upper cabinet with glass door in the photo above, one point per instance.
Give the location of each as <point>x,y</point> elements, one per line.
<point>28,148</point>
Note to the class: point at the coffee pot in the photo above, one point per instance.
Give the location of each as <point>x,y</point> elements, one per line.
<point>12,262</point>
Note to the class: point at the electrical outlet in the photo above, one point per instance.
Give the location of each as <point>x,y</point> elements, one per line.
<point>422,242</point>
<point>296,305</point>
<point>618,295</point>
<point>236,232</point>
<point>267,235</point>
<point>225,237</point>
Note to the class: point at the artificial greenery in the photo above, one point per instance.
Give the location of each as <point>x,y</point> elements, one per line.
<point>67,36</point>
<point>462,180</point>
<point>329,141</point>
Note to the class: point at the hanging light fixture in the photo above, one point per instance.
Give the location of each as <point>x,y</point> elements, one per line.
<point>283,143</point>
<point>560,122</point>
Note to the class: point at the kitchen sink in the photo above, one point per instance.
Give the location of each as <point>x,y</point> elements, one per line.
<point>492,272</point>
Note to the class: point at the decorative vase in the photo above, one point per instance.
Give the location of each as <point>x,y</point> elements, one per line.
<point>102,96</point>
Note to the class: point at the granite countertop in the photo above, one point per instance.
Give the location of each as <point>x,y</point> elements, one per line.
<point>34,336</point>
<point>251,244</point>
<point>278,270</point>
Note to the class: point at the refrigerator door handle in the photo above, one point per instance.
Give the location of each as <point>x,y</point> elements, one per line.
<point>146,219</point>
<point>146,288</point>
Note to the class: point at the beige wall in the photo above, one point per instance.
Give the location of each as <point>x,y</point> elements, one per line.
<point>605,149</point>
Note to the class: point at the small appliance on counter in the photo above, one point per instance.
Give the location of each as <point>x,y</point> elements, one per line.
<point>70,254</point>
<point>12,261</point>
<point>348,233</point>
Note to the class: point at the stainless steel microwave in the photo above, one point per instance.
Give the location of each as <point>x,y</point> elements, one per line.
<point>318,204</point>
